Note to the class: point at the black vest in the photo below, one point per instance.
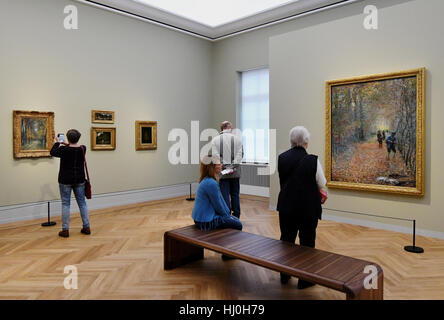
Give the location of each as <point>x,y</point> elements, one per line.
<point>299,193</point>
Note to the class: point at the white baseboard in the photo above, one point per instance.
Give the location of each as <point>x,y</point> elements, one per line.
<point>255,190</point>
<point>38,210</point>
<point>379,225</point>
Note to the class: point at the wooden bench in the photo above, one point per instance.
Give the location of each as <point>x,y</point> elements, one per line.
<point>328,269</point>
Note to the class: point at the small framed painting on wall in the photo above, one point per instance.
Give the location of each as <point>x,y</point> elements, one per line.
<point>98,116</point>
<point>146,135</point>
<point>103,138</point>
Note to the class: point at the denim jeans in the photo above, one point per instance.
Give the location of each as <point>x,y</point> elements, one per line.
<point>65,194</point>
<point>220,222</point>
<point>231,188</point>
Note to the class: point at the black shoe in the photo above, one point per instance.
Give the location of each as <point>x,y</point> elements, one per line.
<point>285,278</point>
<point>302,284</point>
<point>86,230</point>
<point>225,258</point>
<point>64,233</point>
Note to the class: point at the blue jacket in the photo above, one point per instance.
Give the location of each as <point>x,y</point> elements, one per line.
<point>209,202</point>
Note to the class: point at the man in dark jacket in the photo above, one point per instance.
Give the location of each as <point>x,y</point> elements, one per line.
<point>391,145</point>
<point>299,204</point>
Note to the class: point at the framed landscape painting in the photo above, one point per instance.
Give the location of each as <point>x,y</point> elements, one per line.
<point>103,138</point>
<point>375,133</point>
<point>146,135</point>
<point>98,116</point>
<point>33,134</point>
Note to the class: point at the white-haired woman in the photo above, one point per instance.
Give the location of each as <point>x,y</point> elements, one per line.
<point>299,204</point>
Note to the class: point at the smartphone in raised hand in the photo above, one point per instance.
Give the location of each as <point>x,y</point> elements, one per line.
<point>61,137</point>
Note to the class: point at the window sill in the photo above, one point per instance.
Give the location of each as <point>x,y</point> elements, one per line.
<point>257,164</point>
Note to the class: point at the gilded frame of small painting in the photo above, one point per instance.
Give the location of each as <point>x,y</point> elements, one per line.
<point>103,138</point>
<point>375,133</point>
<point>33,134</point>
<point>100,116</point>
<point>146,135</point>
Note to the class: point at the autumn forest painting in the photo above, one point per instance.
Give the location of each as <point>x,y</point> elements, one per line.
<point>374,132</point>
<point>33,133</point>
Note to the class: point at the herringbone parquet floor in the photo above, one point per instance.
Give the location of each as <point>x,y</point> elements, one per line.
<point>123,258</point>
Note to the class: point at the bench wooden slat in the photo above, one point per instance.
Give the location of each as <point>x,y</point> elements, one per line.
<point>325,268</point>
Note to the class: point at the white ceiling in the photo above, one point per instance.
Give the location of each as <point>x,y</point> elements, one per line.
<point>215,19</point>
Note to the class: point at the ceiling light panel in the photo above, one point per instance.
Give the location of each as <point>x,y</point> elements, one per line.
<point>214,13</point>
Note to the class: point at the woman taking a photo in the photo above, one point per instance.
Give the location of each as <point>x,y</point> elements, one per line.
<point>71,178</point>
<point>210,209</point>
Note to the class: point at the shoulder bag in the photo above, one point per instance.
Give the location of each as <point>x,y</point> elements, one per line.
<point>88,193</point>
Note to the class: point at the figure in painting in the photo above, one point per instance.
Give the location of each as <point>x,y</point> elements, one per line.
<point>380,138</point>
<point>391,145</point>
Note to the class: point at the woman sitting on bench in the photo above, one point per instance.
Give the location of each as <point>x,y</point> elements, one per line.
<point>210,209</point>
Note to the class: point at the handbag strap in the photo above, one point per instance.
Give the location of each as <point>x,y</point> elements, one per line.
<point>86,166</point>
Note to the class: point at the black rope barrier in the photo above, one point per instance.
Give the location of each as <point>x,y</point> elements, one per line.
<point>96,196</point>
<point>413,248</point>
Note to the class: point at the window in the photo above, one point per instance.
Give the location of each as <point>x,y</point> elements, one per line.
<point>254,115</point>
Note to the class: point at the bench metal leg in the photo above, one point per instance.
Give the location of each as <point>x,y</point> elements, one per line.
<point>177,253</point>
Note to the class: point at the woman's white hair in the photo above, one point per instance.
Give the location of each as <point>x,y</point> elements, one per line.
<point>299,136</point>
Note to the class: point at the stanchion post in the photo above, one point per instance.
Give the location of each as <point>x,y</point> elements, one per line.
<point>49,223</point>
<point>191,196</point>
<point>414,248</point>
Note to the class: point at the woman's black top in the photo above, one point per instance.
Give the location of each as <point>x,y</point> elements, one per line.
<point>299,193</point>
<point>72,163</point>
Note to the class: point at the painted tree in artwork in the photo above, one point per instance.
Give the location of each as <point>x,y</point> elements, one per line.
<point>363,115</point>
<point>33,133</point>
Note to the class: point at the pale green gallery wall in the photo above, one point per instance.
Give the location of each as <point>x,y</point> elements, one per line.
<point>112,62</point>
<point>304,53</point>
<point>145,72</point>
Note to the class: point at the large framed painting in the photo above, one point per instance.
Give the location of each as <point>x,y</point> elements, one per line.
<point>99,116</point>
<point>33,134</point>
<point>375,133</point>
<point>103,138</point>
<point>146,135</point>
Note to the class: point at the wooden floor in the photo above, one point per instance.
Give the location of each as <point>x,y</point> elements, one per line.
<point>123,258</point>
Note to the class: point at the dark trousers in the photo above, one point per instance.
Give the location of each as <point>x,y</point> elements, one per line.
<point>230,188</point>
<point>292,224</point>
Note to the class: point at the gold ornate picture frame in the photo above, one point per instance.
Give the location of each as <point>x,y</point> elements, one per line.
<point>375,133</point>
<point>33,134</point>
<point>103,138</point>
<point>100,116</point>
<point>146,135</point>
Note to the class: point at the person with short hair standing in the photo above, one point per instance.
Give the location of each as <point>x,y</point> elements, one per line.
<point>299,204</point>
<point>71,178</point>
<point>228,147</point>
